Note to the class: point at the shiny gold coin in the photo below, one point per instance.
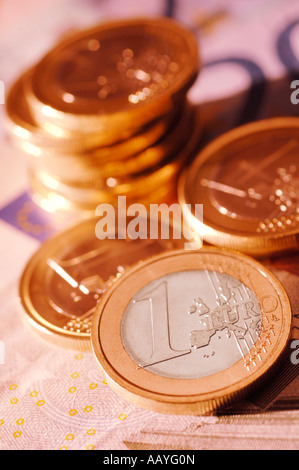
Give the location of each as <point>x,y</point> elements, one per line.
<point>189,332</point>
<point>116,75</point>
<point>59,206</point>
<point>248,183</point>
<point>45,143</point>
<point>66,277</point>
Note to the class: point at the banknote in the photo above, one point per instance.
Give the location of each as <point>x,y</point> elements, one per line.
<point>53,398</point>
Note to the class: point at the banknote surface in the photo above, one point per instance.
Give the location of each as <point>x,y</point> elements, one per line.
<point>52,398</point>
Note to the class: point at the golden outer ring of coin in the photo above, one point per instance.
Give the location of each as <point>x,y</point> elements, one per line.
<point>32,316</point>
<point>249,243</point>
<point>38,141</point>
<point>130,118</point>
<point>190,396</point>
<point>88,168</point>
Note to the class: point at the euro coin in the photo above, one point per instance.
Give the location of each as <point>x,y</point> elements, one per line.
<point>65,278</point>
<point>57,195</point>
<point>189,332</point>
<point>248,183</point>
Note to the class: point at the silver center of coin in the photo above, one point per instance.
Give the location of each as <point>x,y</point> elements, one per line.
<point>191,324</point>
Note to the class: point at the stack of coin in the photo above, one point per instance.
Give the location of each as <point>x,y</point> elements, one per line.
<point>247,180</point>
<point>190,332</point>
<point>105,113</point>
<point>173,330</point>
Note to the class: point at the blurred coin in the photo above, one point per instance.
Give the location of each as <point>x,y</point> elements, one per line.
<point>63,281</point>
<point>248,183</point>
<point>117,75</point>
<point>52,140</point>
<point>189,332</point>
<point>145,187</point>
<point>88,170</point>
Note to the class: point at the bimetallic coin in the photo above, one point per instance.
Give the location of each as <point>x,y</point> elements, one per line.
<point>248,183</point>
<point>120,74</point>
<point>189,332</point>
<point>66,277</point>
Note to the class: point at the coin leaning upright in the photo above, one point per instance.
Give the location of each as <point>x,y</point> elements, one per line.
<point>190,332</point>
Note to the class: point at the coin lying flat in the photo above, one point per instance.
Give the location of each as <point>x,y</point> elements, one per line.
<point>65,278</point>
<point>247,181</point>
<point>123,73</point>
<point>189,332</point>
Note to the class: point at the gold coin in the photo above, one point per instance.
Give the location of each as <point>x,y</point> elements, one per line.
<point>189,332</point>
<point>45,143</point>
<point>116,75</point>
<point>65,278</point>
<point>248,183</point>
<point>55,195</point>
